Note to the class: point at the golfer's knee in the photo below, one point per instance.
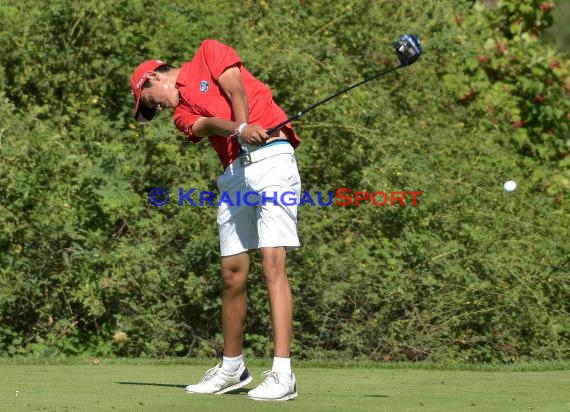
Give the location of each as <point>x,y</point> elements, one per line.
<point>273,269</point>
<point>234,278</point>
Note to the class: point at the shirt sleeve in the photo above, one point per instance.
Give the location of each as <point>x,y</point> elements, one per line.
<point>218,57</point>
<point>184,120</point>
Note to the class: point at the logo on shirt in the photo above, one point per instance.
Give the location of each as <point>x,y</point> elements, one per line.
<point>203,86</point>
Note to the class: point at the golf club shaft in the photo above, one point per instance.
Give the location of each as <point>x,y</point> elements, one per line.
<point>302,112</point>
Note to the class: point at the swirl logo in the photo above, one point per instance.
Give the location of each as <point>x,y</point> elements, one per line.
<point>158,197</point>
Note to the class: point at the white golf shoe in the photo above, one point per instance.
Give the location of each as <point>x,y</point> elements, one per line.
<point>276,387</point>
<point>218,380</point>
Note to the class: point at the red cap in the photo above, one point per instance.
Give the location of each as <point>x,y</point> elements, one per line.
<point>140,75</point>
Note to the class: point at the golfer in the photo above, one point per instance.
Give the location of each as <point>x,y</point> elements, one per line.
<point>215,97</point>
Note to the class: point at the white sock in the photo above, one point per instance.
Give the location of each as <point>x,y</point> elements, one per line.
<point>282,365</point>
<point>232,364</point>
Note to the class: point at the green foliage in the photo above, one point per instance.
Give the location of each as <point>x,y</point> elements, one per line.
<point>509,76</point>
<point>559,32</point>
<point>471,273</point>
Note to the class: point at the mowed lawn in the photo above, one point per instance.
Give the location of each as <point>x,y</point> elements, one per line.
<point>144,385</point>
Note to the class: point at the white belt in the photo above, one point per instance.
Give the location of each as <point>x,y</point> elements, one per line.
<point>273,149</point>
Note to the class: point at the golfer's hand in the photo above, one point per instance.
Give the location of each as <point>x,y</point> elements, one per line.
<point>254,134</point>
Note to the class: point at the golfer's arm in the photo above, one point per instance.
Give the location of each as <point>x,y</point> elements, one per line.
<point>232,86</point>
<point>214,126</point>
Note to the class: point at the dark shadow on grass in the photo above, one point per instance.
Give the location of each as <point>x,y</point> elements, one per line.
<point>166,385</point>
<point>376,396</point>
<point>173,385</point>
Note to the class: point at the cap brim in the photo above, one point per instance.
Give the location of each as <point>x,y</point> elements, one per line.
<point>144,114</point>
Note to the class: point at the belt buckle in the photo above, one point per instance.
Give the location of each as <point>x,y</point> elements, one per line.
<point>245,160</point>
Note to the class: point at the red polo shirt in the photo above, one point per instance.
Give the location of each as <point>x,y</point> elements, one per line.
<point>201,96</point>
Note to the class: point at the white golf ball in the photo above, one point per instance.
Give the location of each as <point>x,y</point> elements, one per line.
<point>510,186</point>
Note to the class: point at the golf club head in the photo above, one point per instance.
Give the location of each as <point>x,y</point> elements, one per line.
<point>408,49</point>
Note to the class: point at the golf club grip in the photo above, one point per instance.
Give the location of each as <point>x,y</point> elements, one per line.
<point>280,125</point>
<point>299,114</point>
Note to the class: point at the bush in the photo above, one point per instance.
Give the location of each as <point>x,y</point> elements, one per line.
<point>471,273</point>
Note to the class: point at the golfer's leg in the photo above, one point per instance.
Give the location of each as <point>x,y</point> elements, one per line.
<point>273,263</point>
<point>226,377</point>
<point>234,301</point>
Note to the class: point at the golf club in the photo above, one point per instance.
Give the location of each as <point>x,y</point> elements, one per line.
<point>408,48</point>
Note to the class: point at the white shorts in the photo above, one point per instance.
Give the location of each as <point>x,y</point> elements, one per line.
<point>258,202</point>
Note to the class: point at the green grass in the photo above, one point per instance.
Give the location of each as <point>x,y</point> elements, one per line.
<point>150,385</point>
